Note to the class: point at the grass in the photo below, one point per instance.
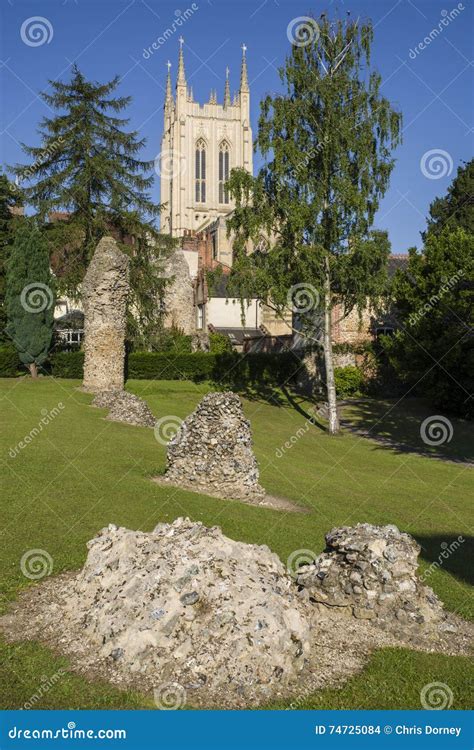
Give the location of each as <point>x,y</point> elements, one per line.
<point>82,473</point>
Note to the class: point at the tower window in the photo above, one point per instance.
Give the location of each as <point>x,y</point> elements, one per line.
<point>200,175</point>
<point>223,172</point>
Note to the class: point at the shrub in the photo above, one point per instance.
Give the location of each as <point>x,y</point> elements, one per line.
<point>219,343</point>
<point>9,362</point>
<point>172,366</point>
<point>349,381</point>
<point>67,364</point>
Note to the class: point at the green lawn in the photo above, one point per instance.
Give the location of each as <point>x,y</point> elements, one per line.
<point>82,472</point>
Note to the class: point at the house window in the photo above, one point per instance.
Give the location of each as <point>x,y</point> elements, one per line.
<point>200,173</point>
<point>214,246</point>
<point>200,317</point>
<point>223,172</point>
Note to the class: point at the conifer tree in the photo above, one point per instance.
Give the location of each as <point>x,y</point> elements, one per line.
<point>10,198</point>
<point>327,141</point>
<point>30,296</point>
<point>88,167</point>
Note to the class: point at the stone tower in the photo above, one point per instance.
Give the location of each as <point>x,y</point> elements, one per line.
<point>201,143</point>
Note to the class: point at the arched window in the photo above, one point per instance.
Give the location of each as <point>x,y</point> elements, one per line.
<point>223,172</point>
<point>200,173</point>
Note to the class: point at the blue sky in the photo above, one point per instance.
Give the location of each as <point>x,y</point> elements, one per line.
<point>432,86</point>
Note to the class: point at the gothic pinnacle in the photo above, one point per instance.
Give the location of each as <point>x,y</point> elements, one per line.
<point>227,89</point>
<point>181,80</point>
<point>244,83</point>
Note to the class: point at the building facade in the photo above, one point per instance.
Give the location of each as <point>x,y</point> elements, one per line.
<point>201,143</point>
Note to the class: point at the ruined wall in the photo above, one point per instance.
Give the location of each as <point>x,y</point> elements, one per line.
<point>104,295</point>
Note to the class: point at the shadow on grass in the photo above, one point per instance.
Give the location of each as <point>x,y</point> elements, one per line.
<point>453,553</point>
<point>409,426</point>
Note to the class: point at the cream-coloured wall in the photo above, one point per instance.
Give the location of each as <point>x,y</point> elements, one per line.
<point>227,313</point>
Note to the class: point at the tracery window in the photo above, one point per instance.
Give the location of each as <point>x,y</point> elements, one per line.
<point>200,173</point>
<point>224,159</point>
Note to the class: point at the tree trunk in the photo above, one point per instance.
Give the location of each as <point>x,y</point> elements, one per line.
<point>328,358</point>
<point>33,370</point>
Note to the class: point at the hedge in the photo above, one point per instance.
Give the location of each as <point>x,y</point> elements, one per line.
<point>9,362</point>
<point>227,368</point>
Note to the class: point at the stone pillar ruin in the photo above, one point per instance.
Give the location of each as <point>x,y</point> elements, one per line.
<point>212,450</point>
<point>104,292</point>
<point>179,295</point>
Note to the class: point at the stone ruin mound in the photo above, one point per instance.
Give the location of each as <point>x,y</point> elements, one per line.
<point>125,407</point>
<point>212,450</point>
<point>188,613</point>
<point>371,572</point>
<point>185,604</point>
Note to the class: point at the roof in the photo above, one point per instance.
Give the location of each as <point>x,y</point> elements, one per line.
<point>396,263</point>
<point>239,335</point>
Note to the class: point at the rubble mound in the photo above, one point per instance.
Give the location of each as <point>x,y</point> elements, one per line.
<point>125,407</point>
<point>372,571</point>
<point>212,450</point>
<point>185,604</point>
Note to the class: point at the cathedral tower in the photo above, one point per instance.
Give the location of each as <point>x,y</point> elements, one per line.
<point>201,143</point>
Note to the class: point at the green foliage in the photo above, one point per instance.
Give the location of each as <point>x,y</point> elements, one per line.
<point>327,142</point>
<point>30,296</point>
<point>10,197</point>
<point>67,364</point>
<point>169,340</point>
<point>9,362</point>
<point>87,165</point>
<point>456,208</point>
<point>349,381</point>
<point>433,351</point>
<point>219,343</point>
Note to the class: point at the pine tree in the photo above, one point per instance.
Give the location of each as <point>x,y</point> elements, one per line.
<point>87,166</point>
<point>10,198</point>
<point>327,140</point>
<point>456,208</point>
<point>30,296</point>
